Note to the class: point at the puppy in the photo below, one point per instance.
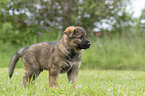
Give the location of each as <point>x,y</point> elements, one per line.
<point>57,57</point>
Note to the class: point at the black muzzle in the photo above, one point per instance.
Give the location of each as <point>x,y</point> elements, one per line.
<point>85,44</point>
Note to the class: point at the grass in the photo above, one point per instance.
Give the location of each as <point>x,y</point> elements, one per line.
<point>90,83</point>
<point>117,53</point>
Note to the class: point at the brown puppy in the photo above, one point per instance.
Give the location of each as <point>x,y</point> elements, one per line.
<point>57,57</point>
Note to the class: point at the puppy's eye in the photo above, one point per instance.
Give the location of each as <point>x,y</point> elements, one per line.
<point>81,37</point>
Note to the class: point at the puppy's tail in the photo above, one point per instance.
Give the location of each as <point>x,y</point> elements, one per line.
<point>14,60</point>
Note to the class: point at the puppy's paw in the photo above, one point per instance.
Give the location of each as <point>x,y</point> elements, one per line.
<point>75,87</point>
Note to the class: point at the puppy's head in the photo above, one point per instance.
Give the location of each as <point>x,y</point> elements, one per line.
<point>77,37</point>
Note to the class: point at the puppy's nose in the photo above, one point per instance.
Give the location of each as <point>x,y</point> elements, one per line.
<point>89,44</point>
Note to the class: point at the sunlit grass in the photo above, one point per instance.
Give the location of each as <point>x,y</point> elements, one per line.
<point>90,83</point>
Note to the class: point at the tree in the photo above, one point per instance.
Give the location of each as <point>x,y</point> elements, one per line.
<point>42,15</point>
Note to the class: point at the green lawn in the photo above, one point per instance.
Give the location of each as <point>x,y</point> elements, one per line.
<point>90,83</point>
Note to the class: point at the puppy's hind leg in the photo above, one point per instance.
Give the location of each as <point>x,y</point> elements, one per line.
<point>29,77</point>
<point>32,70</point>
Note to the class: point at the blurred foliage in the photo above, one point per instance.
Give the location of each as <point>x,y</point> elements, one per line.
<point>26,22</point>
<point>20,20</point>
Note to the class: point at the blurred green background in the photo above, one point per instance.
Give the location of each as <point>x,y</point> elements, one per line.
<point>117,37</point>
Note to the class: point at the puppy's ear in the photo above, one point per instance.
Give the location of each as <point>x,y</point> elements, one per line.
<point>70,31</point>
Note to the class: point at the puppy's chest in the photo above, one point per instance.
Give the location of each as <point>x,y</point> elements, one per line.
<point>71,56</point>
<point>67,66</point>
<point>70,61</point>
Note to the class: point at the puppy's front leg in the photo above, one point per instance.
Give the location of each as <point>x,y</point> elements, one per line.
<point>53,76</point>
<point>72,76</point>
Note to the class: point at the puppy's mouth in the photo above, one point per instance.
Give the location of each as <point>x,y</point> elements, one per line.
<point>84,46</point>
